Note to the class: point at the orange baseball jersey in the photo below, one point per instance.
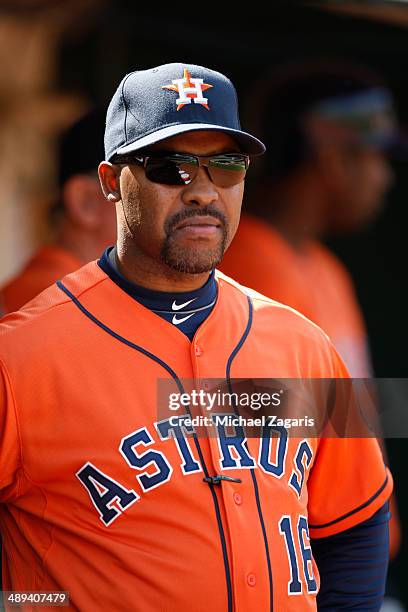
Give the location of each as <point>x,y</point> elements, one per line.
<point>313,282</point>
<point>101,498</point>
<point>46,266</point>
<point>316,284</point>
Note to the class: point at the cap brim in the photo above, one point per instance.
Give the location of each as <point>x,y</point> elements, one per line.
<point>247,142</point>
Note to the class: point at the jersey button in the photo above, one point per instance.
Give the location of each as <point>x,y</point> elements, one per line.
<point>237,499</point>
<point>251,579</point>
<point>198,350</point>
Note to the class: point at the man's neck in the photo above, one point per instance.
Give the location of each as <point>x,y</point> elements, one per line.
<point>146,272</point>
<point>79,243</point>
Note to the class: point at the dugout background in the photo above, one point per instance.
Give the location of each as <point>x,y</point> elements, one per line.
<point>56,59</point>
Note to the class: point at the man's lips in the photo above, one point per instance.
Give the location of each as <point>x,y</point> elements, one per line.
<point>199,226</point>
<point>199,222</point>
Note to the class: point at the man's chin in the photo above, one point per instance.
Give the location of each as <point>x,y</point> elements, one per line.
<point>192,263</point>
<point>186,267</point>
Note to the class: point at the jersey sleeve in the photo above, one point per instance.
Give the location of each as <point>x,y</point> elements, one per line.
<point>9,438</point>
<point>349,481</point>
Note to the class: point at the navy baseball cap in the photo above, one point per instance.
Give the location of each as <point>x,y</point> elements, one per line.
<point>152,105</point>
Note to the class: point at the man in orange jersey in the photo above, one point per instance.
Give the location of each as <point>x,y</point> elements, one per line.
<point>108,499</point>
<point>83,223</point>
<point>327,126</point>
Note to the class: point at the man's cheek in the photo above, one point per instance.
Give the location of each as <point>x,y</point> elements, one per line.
<point>232,223</point>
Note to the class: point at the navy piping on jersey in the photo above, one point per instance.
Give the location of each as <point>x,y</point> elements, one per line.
<point>254,480</point>
<point>168,369</point>
<point>367,503</point>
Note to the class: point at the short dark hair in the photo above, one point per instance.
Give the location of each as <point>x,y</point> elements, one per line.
<point>79,151</point>
<point>80,148</point>
<point>279,100</point>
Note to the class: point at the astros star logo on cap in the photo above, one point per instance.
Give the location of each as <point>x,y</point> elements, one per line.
<point>189,89</point>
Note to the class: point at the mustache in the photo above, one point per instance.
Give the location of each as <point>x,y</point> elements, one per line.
<point>205,211</point>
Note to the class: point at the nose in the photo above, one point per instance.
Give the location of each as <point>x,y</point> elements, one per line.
<point>201,191</point>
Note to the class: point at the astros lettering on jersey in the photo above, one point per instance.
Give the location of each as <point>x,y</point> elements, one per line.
<point>104,501</point>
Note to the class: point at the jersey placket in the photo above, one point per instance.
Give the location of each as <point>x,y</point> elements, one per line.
<point>238,499</point>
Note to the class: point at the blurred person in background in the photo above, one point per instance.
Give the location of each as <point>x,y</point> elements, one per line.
<point>325,171</point>
<point>327,127</point>
<point>83,223</point>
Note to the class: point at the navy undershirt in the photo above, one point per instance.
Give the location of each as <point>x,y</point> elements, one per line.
<point>352,564</point>
<point>186,310</point>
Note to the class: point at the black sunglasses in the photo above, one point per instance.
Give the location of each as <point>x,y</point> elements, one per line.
<point>225,169</point>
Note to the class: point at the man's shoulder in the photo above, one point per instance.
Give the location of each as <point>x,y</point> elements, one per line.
<point>276,332</point>
<point>48,305</point>
<point>45,266</point>
<point>269,311</point>
<point>326,258</point>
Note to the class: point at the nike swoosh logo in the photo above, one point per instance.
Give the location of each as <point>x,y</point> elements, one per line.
<point>175,306</point>
<point>177,321</point>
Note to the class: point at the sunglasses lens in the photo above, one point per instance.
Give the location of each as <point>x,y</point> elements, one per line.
<point>227,170</point>
<point>171,171</point>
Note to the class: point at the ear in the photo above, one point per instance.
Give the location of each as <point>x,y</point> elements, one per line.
<point>82,201</point>
<point>109,179</point>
